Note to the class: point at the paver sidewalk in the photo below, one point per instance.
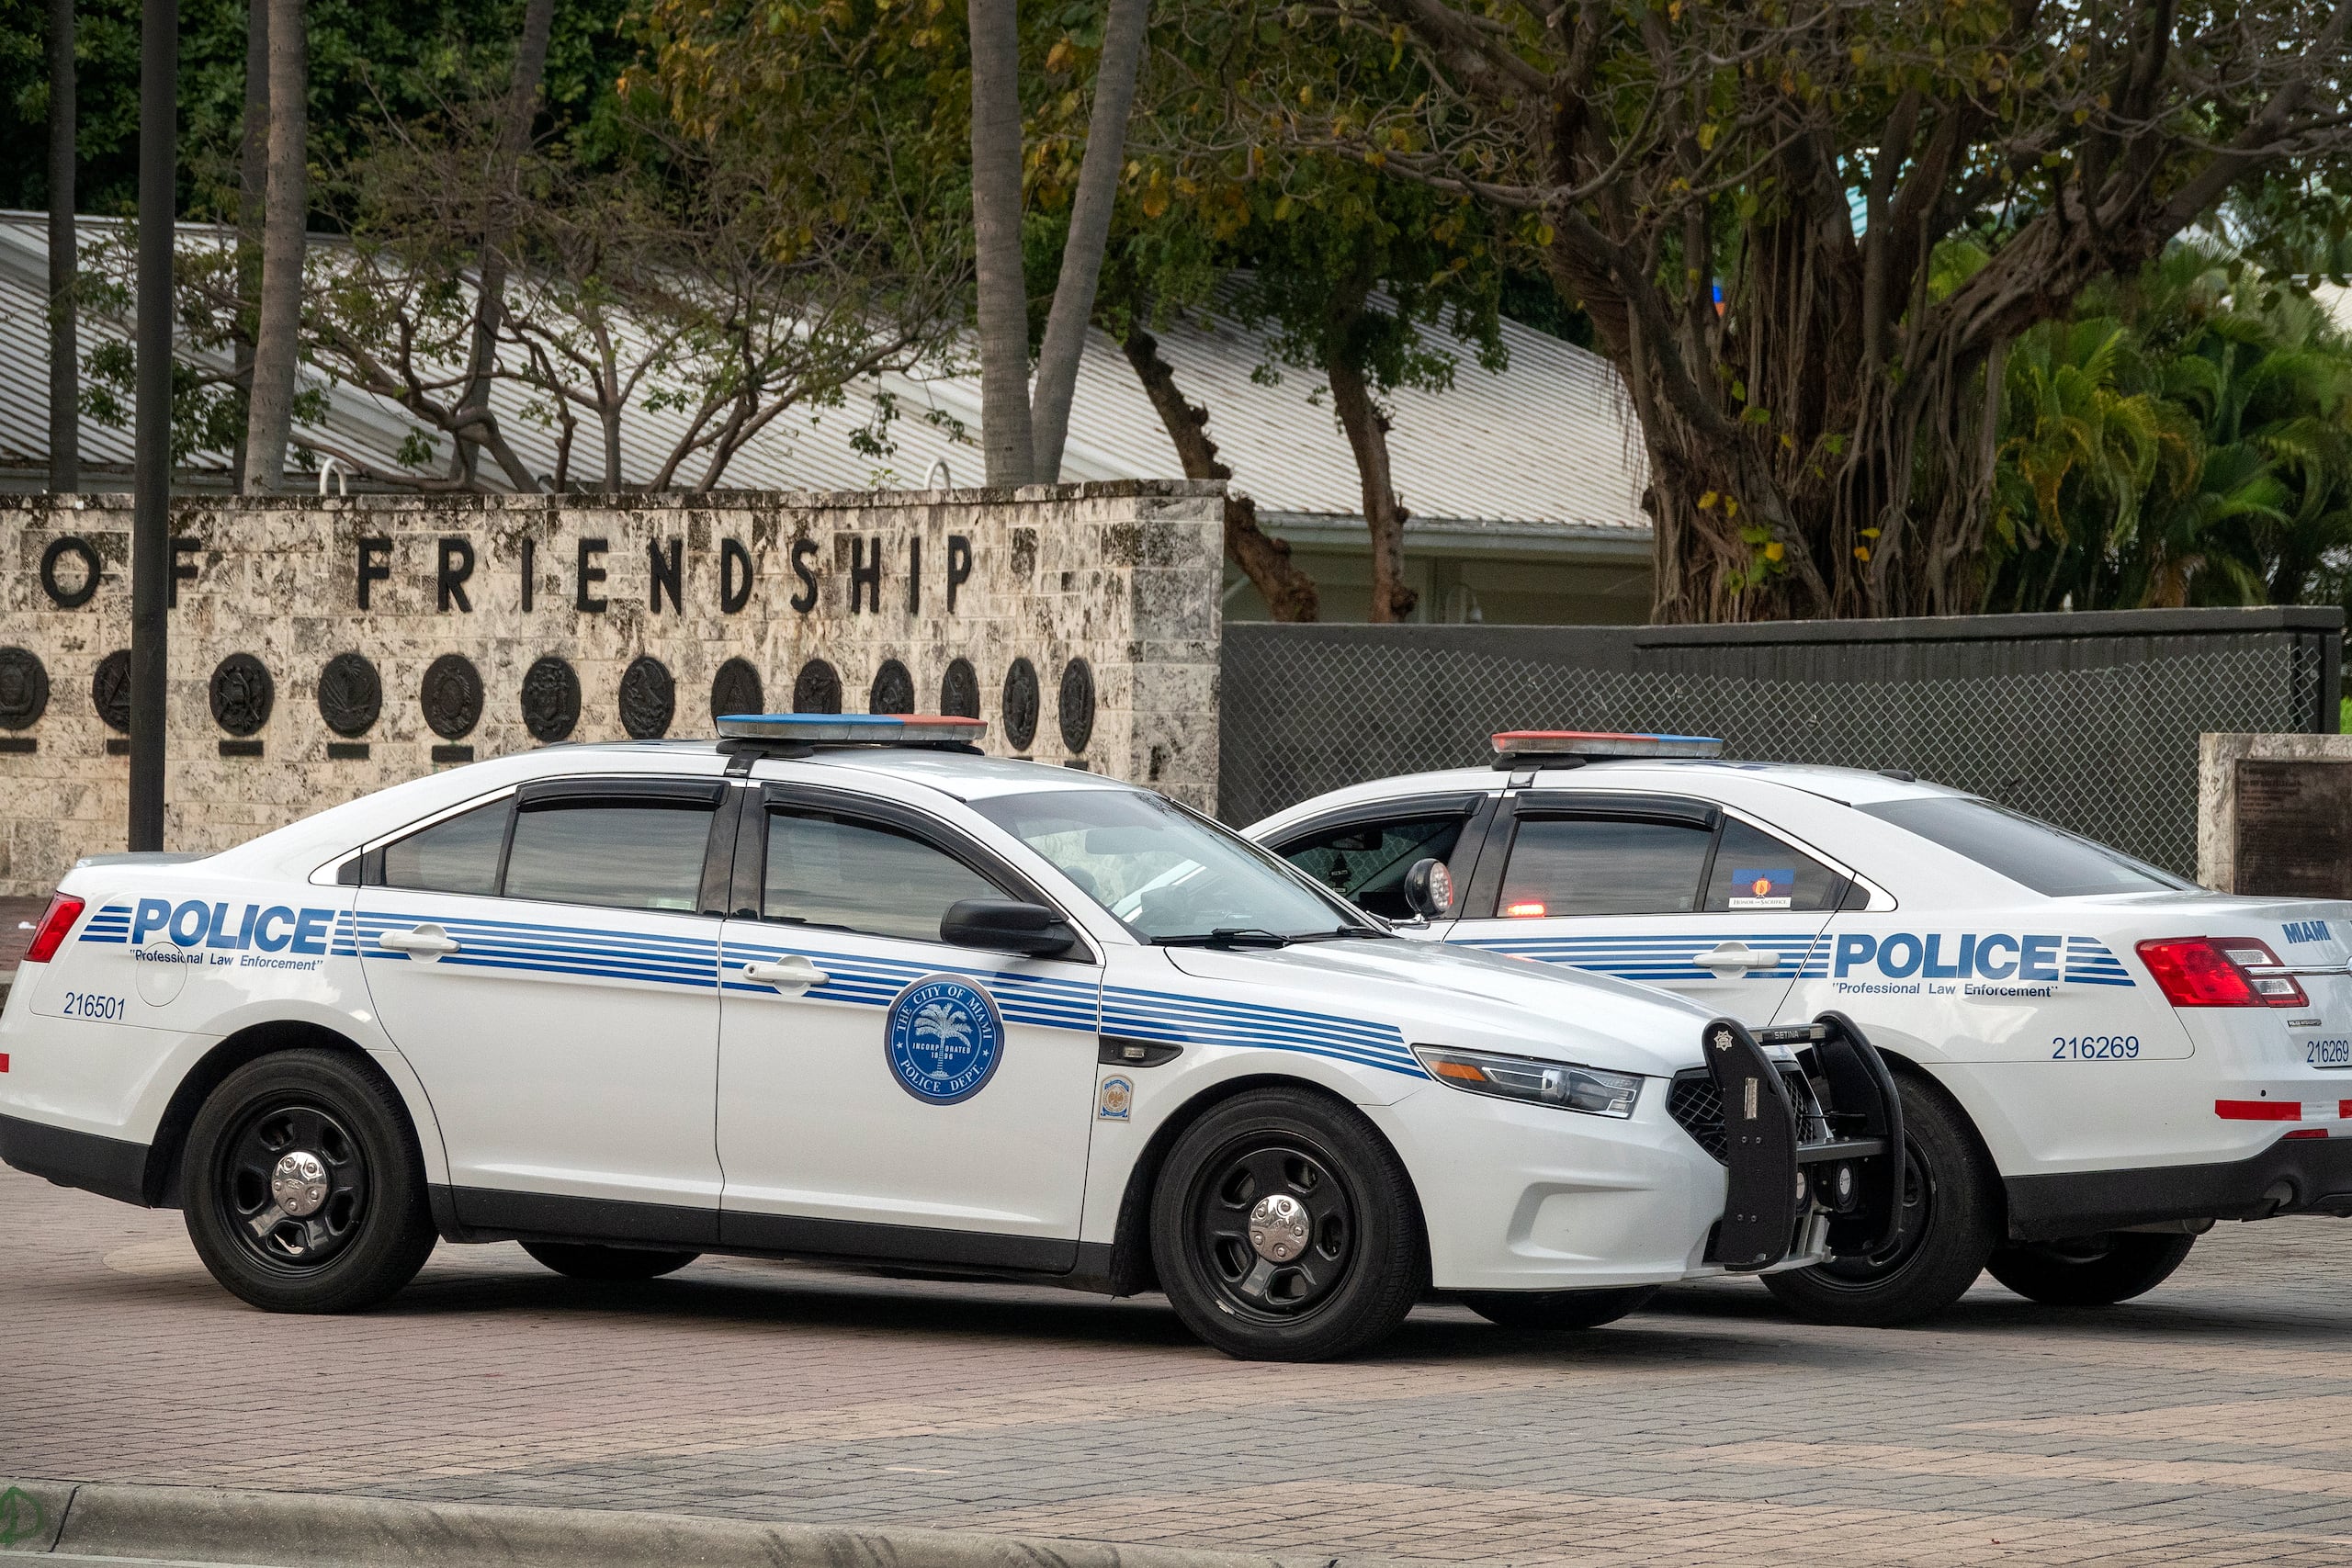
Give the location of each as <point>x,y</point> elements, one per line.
<point>2210,1423</point>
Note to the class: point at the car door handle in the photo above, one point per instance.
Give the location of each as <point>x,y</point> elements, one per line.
<point>1737,955</point>
<point>426,942</point>
<point>792,975</point>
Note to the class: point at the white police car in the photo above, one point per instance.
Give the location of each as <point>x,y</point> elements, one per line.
<point>842,987</point>
<point>2097,1059</point>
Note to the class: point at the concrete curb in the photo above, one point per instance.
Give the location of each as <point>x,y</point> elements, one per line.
<point>313,1530</point>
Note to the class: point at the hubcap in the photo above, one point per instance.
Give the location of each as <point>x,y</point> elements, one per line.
<point>1272,1226</point>
<point>293,1185</point>
<point>299,1183</point>
<point>1278,1227</point>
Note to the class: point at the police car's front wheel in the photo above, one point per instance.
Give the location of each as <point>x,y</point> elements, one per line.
<point>1284,1229</point>
<point>303,1188</point>
<point>1949,1222</point>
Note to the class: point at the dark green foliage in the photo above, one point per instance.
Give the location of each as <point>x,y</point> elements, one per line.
<point>371,61</point>
<point>2186,439</point>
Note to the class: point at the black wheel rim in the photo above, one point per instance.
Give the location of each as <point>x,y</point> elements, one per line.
<point>1301,1255</point>
<point>1910,1234</point>
<point>293,1185</point>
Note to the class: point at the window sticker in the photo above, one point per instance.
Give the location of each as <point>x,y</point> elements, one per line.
<point>1767,887</point>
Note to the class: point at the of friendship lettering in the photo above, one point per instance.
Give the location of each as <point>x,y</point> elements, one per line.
<point>871,563</point>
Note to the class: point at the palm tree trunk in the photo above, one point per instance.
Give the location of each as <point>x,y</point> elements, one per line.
<point>1090,229</point>
<point>1005,440</point>
<point>269,416</point>
<point>253,195</point>
<point>65,349</point>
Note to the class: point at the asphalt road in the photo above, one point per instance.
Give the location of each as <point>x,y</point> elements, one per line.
<point>2210,1423</point>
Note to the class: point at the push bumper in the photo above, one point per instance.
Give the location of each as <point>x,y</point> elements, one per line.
<point>1812,1164</point>
<point>2293,1176</point>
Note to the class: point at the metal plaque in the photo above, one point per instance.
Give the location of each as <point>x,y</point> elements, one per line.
<point>2294,829</point>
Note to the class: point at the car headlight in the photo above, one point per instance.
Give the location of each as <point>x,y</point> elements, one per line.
<point>1563,1084</point>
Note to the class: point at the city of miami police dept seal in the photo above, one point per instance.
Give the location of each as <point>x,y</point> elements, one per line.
<point>944,1038</point>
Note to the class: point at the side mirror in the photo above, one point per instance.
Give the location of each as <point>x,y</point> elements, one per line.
<point>1006,925</point>
<point>1429,888</point>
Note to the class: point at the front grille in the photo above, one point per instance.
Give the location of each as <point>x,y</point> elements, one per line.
<point>1697,1106</point>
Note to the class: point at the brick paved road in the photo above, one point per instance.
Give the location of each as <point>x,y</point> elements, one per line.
<point>2209,1424</point>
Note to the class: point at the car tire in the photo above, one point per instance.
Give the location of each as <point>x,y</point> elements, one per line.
<point>1340,1259</point>
<point>318,1139</point>
<point>2095,1270</point>
<point>1553,1311</point>
<point>1952,1222</point>
<point>606,1265</point>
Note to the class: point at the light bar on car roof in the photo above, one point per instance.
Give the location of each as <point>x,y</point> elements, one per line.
<point>1602,743</point>
<point>853,729</point>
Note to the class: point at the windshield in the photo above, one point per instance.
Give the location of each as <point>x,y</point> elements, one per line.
<point>2051,861</point>
<point>1167,874</point>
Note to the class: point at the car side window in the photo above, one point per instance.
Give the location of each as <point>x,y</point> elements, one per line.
<point>1603,865</point>
<point>1366,861</point>
<point>458,854</point>
<point>838,872</point>
<point>617,855</point>
<point>1756,871</point>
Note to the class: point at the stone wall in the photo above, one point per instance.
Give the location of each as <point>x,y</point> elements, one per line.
<point>1081,621</point>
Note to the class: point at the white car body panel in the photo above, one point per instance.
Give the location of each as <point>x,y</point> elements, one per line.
<point>569,1060</point>
<point>2014,1001</point>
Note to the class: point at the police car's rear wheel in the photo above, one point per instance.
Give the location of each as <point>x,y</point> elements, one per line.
<point>1950,1223</point>
<point>2092,1270</point>
<point>1284,1229</point>
<point>303,1188</point>
<point>583,1260</point>
<point>1551,1310</point>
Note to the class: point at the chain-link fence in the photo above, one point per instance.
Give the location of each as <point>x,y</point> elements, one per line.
<point>2109,750</point>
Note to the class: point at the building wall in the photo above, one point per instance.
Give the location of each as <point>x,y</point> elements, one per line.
<point>1113,582</point>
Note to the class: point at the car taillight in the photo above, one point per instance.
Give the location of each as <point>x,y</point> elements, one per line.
<point>63,910</point>
<point>2220,972</point>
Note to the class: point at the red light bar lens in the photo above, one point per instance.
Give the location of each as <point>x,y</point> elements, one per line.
<point>63,912</point>
<point>2259,1109</point>
<point>2220,972</point>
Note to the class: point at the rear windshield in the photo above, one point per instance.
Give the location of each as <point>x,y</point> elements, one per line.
<point>2051,861</point>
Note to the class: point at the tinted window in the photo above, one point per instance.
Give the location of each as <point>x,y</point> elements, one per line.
<point>1599,865</point>
<point>1367,861</point>
<point>460,855</point>
<point>1756,871</point>
<point>2048,859</point>
<point>623,855</point>
<point>826,871</point>
<point>1167,875</point>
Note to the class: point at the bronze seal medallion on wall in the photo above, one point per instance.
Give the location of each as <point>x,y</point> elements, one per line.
<point>550,699</point>
<point>242,694</point>
<point>648,698</point>
<point>451,696</point>
<point>351,695</point>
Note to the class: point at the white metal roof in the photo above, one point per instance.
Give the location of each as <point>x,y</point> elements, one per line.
<point>1546,449</point>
